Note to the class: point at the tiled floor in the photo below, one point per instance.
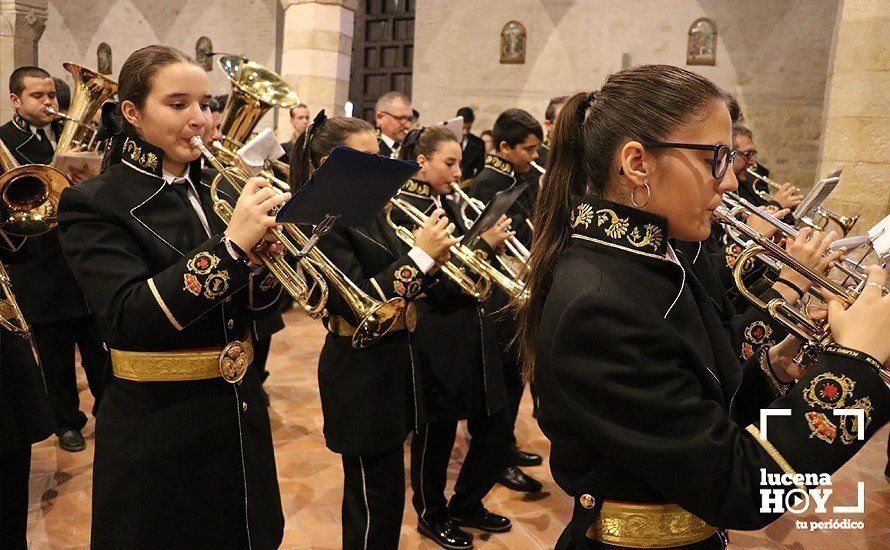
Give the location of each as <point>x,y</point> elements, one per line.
<point>311,478</point>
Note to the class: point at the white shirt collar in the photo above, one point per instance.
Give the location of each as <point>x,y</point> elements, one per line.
<point>388,141</point>
<point>670,255</point>
<point>169,178</point>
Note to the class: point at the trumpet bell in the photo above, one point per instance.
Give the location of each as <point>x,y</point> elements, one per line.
<point>377,321</point>
<point>255,90</point>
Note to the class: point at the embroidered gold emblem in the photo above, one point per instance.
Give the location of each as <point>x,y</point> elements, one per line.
<point>652,236</point>
<point>617,225</point>
<point>233,362</point>
<point>850,423</point>
<point>202,263</point>
<point>407,281</point>
<point>268,282</point>
<point>747,351</point>
<point>583,215</point>
<point>216,284</point>
<point>758,332</point>
<point>417,187</point>
<point>148,160</point>
<point>499,165</point>
<point>821,427</point>
<point>828,391</point>
<point>192,284</point>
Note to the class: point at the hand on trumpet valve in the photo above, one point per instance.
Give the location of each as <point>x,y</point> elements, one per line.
<point>251,219</point>
<point>811,248</point>
<point>788,196</point>
<point>434,237</point>
<point>498,235</point>
<point>864,326</point>
<point>764,227</point>
<point>781,360</point>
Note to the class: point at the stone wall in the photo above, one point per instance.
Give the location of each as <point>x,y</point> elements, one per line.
<point>857,112</point>
<point>75,28</point>
<point>772,54</point>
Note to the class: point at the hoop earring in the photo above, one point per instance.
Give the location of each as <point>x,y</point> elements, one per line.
<point>633,195</point>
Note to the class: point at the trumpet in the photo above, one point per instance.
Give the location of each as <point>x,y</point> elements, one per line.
<point>478,289</point>
<point>815,335</point>
<point>736,205</point>
<point>846,223</point>
<point>376,318</point>
<point>538,167</point>
<point>514,265</point>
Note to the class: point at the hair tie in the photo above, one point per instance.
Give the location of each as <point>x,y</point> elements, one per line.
<point>585,106</point>
<point>317,122</point>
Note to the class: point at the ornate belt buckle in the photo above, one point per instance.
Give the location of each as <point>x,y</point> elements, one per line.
<point>233,362</point>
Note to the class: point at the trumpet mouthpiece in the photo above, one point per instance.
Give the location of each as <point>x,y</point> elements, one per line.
<point>50,111</point>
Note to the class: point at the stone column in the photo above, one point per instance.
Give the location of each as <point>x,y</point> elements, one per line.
<point>856,119</point>
<point>316,54</point>
<point>21,25</point>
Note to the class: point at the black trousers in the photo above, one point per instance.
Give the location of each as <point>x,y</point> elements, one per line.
<point>15,470</point>
<point>486,457</point>
<point>513,382</point>
<point>261,347</point>
<point>373,500</point>
<point>55,342</point>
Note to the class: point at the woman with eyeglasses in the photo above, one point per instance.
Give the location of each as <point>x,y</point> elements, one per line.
<point>654,424</point>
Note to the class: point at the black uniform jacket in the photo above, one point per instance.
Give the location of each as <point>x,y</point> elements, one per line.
<point>25,415</point>
<point>644,400</point>
<point>497,176</point>
<point>44,286</point>
<point>178,464</point>
<point>748,330</point>
<point>473,157</point>
<point>455,340</point>
<point>385,150</point>
<point>371,397</point>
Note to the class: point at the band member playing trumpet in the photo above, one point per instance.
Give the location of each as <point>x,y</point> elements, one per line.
<point>371,397</point>
<point>787,196</point>
<point>49,295</point>
<point>184,454</point>
<point>518,137</point>
<point>460,364</point>
<point>650,416</point>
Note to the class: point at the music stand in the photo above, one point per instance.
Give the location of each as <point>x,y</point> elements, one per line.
<point>500,203</point>
<point>350,188</point>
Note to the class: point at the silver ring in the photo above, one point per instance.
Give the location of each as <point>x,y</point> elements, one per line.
<point>884,289</point>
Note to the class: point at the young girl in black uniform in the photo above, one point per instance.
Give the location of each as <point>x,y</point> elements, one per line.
<point>370,397</point>
<point>458,354</point>
<point>652,420</point>
<point>184,456</point>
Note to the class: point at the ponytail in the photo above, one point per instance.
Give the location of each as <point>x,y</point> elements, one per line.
<point>563,185</point>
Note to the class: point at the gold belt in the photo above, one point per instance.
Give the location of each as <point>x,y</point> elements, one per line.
<point>341,327</point>
<point>230,363</point>
<point>638,525</point>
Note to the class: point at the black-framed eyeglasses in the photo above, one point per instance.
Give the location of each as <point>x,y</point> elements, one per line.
<point>402,118</point>
<point>723,155</point>
<point>747,154</point>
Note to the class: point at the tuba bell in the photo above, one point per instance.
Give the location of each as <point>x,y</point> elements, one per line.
<point>255,90</point>
<point>91,90</point>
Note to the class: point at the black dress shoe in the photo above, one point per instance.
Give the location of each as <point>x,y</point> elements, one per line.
<point>514,478</point>
<point>483,520</point>
<point>522,458</point>
<point>72,441</point>
<point>445,533</point>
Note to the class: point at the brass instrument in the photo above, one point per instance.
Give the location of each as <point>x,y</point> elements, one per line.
<point>846,223</point>
<point>255,90</point>
<point>815,335</point>
<point>11,317</point>
<point>736,205</point>
<point>29,196</point>
<point>538,167</point>
<point>91,90</point>
<point>376,318</point>
<point>514,265</point>
<point>487,273</point>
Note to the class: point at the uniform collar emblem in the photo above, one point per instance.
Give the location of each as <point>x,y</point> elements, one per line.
<point>416,188</point>
<point>499,165</point>
<point>621,226</point>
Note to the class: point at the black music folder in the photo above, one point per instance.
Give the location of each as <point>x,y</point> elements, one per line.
<point>500,203</point>
<point>350,185</point>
